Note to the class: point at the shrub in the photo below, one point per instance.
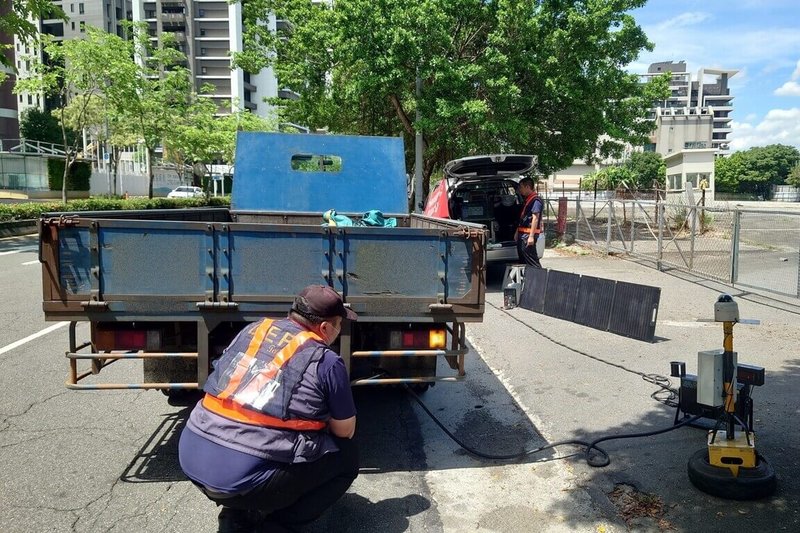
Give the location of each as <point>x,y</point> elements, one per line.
<point>79,177</point>
<point>33,210</point>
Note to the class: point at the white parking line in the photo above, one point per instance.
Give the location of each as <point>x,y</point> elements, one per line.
<point>28,249</point>
<point>29,338</point>
<point>34,262</point>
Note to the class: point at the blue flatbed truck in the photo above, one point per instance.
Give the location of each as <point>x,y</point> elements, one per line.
<point>173,287</point>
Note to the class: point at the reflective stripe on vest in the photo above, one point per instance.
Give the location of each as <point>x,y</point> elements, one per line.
<point>234,402</point>
<point>524,229</point>
<point>234,411</point>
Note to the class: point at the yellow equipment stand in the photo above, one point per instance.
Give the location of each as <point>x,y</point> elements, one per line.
<point>730,467</point>
<point>732,454</point>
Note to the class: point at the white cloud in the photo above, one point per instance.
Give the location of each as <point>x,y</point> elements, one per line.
<point>790,88</point>
<point>690,18</point>
<point>780,126</point>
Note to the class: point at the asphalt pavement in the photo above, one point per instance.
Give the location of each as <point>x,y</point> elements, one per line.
<point>106,461</point>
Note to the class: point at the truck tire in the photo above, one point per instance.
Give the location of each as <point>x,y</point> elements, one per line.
<point>182,397</point>
<point>751,483</point>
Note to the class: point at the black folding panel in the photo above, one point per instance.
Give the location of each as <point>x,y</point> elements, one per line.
<point>533,290</point>
<point>635,311</point>
<point>595,298</point>
<point>562,292</point>
<point>626,309</point>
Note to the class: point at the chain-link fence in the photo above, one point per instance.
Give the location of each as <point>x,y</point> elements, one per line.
<point>754,248</point>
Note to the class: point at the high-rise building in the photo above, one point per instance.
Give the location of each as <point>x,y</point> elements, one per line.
<point>104,14</point>
<point>696,114</point>
<point>208,31</point>
<point>9,126</point>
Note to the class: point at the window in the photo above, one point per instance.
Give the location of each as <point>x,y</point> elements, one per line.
<point>202,51</point>
<point>83,27</point>
<point>202,32</point>
<point>30,100</point>
<point>203,70</point>
<point>72,8</point>
<point>80,8</point>
<point>73,25</point>
<point>201,13</point>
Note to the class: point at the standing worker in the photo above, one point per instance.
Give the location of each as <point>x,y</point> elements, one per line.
<point>530,224</point>
<point>271,441</point>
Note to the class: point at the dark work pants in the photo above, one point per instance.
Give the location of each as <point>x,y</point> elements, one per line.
<point>301,492</point>
<point>527,254</point>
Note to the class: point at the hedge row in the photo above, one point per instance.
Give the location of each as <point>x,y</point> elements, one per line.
<point>33,210</point>
<point>79,177</point>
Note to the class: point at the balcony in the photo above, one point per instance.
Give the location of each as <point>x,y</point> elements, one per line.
<point>173,17</point>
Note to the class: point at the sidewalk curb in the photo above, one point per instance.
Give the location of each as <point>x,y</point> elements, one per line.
<point>15,228</point>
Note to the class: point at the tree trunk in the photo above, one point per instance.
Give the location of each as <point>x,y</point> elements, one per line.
<point>150,153</point>
<point>115,155</point>
<point>65,177</point>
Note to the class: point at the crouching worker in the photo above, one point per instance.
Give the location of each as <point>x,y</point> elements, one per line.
<point>270,441</point>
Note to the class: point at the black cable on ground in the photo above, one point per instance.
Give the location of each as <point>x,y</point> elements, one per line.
<point>662,382</point>
<point>595,456</point>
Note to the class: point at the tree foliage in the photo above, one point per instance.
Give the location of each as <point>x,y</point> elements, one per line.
<point>649,170</point>
<point>642,170</point>
<point>534,76</point>
<point>204,137</point>
<point>756,170</point>
<point>17,21</point>
<point>38,125</point>
<point>73,73</point>
<point>794,176</point>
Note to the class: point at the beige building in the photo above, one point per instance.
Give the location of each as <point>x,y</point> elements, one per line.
<point>691,128</point>
<point>693,167</point>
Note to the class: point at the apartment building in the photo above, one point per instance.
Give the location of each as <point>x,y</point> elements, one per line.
<point>208,31</point>
<point>105,14</point>
<point>9,126</point>
<point>697,113</point>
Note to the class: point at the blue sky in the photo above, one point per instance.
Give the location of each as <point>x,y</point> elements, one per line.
<point>760,38</point>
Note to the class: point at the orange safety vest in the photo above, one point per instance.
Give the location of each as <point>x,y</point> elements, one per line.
<point>525,229</point>
<point>233,401</point>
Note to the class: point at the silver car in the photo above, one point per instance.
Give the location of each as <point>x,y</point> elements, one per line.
<point>185,191</point>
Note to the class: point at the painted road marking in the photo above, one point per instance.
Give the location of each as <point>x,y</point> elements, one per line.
<point>29,249</point>
<point>34,262</point>
<point>29,338</point>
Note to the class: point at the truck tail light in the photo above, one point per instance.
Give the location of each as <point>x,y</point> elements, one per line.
<point>424,339</point>
<point>437,339</point>
<point>127,339</point>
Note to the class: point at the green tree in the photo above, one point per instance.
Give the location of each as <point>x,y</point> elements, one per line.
<point>203,136</point>
<point>18,21</point>
<point>727,172</point>
<point>756,170</point>
<point>538,76</point>
<point>794,176</point>
<point>147,97</point>
<point>38,125</point>
<point>609,178</point>
<point>73,74</point>
<point>647,168</point>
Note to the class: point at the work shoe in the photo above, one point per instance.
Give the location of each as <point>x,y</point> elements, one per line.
<point>235,521</point>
